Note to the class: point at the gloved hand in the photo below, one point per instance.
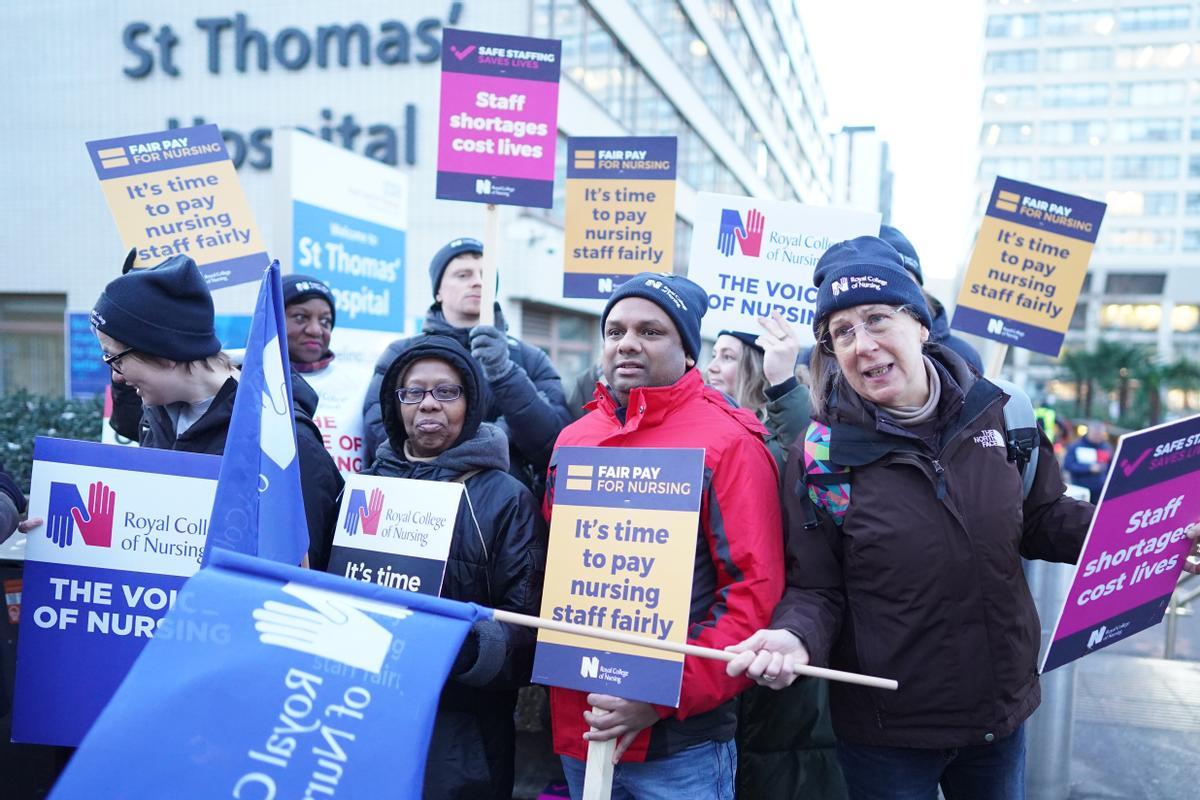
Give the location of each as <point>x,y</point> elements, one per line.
<point>489,346</point>
<point>467,654</point>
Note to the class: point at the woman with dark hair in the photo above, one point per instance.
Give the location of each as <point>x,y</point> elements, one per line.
<point>905,559</point>
<point>433,399</point>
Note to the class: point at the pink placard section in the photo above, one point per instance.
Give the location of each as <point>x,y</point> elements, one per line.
<point>495,126</point>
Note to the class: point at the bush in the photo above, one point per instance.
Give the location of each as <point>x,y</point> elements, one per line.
<point>24,416</point>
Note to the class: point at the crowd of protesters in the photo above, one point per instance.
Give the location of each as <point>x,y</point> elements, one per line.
<point>911,568</point>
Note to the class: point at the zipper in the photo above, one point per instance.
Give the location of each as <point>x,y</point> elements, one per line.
<point>940,472</point>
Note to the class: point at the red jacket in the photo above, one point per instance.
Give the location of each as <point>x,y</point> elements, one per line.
<point>738,576</point>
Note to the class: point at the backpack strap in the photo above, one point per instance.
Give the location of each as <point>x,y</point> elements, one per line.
<point>828,484</point>
<point>1021,432</point>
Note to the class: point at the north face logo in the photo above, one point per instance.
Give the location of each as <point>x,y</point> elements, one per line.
<point>989,438</point>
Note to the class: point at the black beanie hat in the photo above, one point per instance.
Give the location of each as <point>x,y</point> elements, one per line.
<point>443,348</point>
<point>908,253</point>
<point>748,339</point>
<point>298,288</point>
<point>452,249</point>
<point>863,271</point>
<point>683,300</point>
<point>164,311</point>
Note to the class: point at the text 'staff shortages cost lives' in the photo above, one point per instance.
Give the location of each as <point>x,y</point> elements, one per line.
<point>176,193</point>
<point>620,211</point>
<point>1028,266</point>
<point>498,119</point>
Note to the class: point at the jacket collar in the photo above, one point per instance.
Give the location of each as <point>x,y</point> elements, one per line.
<point>650,405</point>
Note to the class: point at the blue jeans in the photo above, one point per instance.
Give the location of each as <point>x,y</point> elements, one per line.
<point>993,771</point>
<point>704,771</point>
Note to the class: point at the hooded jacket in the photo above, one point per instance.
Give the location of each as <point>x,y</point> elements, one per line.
<point>940,334</point>
<point>738,574</point>
<point>922,582</point>
<point>527,404</point>
<point>319,479</point>
<point>497,559</point>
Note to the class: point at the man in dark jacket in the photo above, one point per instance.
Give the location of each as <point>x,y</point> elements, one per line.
<point>156,329</point>
<point>497,557</point>
<point>1089,458</point>
<point>527,397</point>
<point>12,504</point>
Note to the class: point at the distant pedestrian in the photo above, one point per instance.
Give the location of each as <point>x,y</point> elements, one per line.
<point>1089,458</point>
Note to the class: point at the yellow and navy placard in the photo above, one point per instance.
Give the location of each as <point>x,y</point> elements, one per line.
<point>175,193</point>
<point>1028,266</point>
<point>620,211</point>
<point>622,548</point>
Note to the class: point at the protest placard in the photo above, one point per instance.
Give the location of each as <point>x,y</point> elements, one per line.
<point>1136,546</point>
<point>395,532</point>
<point>498,118</point>
<point>1028,266</point>
<point>622,548</point>
<point>176,192</point>
<point>123,528</point>
<point>620,217</point>
<point>756,256</point>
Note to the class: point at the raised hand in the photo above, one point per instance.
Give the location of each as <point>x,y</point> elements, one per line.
<point>780,345</point>
<point>60,522</point>
<point>371,514</point>
<point>750,239</point>
<point>97,528</point>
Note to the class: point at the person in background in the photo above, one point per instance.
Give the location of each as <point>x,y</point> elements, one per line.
<point>653,396</point>
<point>758,372</point>
<point>527,397</point>
<point>939,331</point>
<point>310,311</point>
<point>433,399</point>
<point>12,505</point>
<point>583,390</point>
<point>1089,458</point>
<point>156,328</point>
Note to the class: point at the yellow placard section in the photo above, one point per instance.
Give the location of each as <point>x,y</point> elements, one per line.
<point>620,227</point>
<point>199,211</point>
<point>625,570</point>
<point>1025,274</point>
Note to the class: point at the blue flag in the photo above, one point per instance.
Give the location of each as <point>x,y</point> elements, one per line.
<point>259,507</point>
<point>267,680</point>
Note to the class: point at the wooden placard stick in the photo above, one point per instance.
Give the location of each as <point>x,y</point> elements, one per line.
<point>491,263</point>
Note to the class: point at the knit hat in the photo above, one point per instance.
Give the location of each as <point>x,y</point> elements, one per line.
<point>443,348</point>
<point>908,253</point>
<point>748,339</point>
<point>298,288</point>
<point>861,272</point>
<point>442,258</point>
<point>683,300</point>
<point>164,311</point>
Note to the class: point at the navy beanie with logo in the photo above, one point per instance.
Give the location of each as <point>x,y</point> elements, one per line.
<point>442,258</point>
<point>164,311</point>
<point>908,253</point>
<point>683,300</point>
<point>299,288</point>
<point>864,271</point>
<point>748,339</point>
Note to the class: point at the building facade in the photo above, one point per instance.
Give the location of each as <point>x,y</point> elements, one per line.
<point>1102,99</point>
<point>862,177</point>
<point>733,79</point>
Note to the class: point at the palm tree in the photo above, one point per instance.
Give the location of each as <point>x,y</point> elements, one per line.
<point>1114,364</point>
<point>1151,376</point>
<point>1080,365</point>
<point>1184,375</point>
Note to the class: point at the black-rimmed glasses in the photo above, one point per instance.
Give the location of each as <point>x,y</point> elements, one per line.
<point>113,360</point>
<point>443,393</point>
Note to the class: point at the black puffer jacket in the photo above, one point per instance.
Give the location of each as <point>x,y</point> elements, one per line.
<point>319,479</point>
<point>497,559</point>
<point>527,404</point>
<point>923,580</point>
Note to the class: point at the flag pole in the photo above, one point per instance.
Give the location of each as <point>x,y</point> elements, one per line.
<point>686,649</point>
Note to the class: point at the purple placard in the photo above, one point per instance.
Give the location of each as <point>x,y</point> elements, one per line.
<point>498,118</point>
<point>1136,546</point>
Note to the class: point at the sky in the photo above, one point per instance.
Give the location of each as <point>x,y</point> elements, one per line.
<point>913,70</point>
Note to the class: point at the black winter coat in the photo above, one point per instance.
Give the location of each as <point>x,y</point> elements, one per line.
<point>923,582</point>
<point>319,479</point>
<point>527,404</point>
<point>497,559</point>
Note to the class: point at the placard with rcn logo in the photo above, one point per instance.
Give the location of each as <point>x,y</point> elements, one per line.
<point>124,527</point>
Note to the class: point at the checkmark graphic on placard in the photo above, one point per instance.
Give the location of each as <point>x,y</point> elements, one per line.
<point>1128,468</point>
<point>463,53</point>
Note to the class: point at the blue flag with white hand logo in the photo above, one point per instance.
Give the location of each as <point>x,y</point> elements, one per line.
<point>259,508</point>
<point>267,680</point>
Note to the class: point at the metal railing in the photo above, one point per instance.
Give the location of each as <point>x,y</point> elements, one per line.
<point>1186,592</point>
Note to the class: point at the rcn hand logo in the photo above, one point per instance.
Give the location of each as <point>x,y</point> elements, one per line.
<point>67,510</point>
<point>360,510</point>
<point>748,237</point>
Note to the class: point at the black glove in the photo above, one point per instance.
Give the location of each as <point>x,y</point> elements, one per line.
<point>489,346</point>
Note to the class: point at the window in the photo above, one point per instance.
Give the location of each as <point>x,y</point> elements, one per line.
<point>31,343</point>
<point>1002,97</point>
<point>1157,56</point>
<point>1018,168</point>
<point>1191,240</point>
<point>1154,18</point>
<point>1012,26</point>
<point>1151,93</point>
<point>1074,95</point>
<point>1135,283</point>
<point>1185,318</point>
<point>1070,23</point>
<point>1138,240</point>
<point>1160,204</point>
<point>1136,131</point>
<point>1006,133</point>
<point>1191,205</point>
<point>1194,166</point>
<point>1071,168</point>
<point>1008,61</point>
<point>1093,132</point>
<point>1160,167</point>
<point>1079,318</point>
<point>1130,317</point>
<point>571,340</point>
<point>1077,59</point>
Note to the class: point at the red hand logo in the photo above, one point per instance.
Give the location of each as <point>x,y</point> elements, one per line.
<point>370,515</point>
<point>96,530</point>
<point>751,241</point>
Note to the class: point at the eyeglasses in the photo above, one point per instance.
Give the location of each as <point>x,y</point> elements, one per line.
<point>443,393</point>
<point>112,360</point>
<point>877,324</point>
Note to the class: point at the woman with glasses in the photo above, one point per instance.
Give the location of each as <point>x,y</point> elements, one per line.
<point>904,554</point>
<point>433,399</point>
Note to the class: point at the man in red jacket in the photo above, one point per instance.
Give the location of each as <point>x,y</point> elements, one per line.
<point>656,398</point>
